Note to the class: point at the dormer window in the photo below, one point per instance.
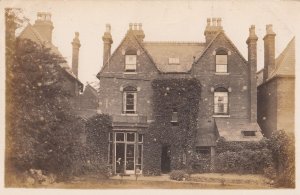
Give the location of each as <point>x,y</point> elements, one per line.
<point>221,62</point>
<point>130,63</point>
<point>173,61</point>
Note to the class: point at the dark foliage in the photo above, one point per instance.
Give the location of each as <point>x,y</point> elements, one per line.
<point>42,130</point>
<point>181,95</point>
<point>97,130</point>
<point>282,146</point>
<point>179,175</point>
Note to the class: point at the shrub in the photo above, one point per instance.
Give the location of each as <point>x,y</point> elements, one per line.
<point>179,175</point>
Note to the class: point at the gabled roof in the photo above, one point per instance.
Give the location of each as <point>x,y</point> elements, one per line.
<point>285,62</point>
<point>131,34</point>
<point>260,77</point>
<point>229,41</point>
<point>185,52</point>
<point>31,33</point>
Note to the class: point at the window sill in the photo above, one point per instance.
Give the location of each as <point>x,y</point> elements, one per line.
<point>129,72</point>
<point>128,114</point>
<point>221,73</point>
<point>221,115</point>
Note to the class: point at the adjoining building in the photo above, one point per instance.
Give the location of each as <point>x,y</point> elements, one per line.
<point>276,87</point>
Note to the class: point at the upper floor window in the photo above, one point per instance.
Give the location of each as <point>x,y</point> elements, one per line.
<point>129,100</point>
<point>221,101</point>
<point>221,62</point>
<point>130,63</point>
<point>174,119</point>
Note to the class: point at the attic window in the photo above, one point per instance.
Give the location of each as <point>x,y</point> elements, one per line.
<point>249,133</point>
<point>173,60</point>
<point>130,63</point>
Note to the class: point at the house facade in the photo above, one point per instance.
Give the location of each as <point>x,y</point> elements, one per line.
<point>276,88</point>
<point>226,99</point>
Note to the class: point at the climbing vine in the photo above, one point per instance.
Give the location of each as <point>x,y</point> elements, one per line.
<point>173,95</point>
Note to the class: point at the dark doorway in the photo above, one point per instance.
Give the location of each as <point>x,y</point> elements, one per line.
<point>165,159</point>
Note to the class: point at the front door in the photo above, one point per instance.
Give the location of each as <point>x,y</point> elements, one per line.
<point>165,159</point>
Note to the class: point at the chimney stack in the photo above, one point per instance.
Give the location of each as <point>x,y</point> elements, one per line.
<point>137,30</point>
<point>44,25</point>
<point>75,55</point>
<point>269,51</point>
<point>213,27</point>
<point>107,41</point>
<point>252,68</point>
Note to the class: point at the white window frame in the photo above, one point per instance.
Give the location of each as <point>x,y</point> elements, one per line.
<point>221,64</point>
<point>221,100</point>
<point>130,64</point>
<point>129,111</point>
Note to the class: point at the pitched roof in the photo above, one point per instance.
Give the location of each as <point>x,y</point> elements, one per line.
<point>231,129</point>
<point>285,62</point>
<point>91,89</point>
<point>185,52</point>
<point>31,33</point>
<point>259,77</point>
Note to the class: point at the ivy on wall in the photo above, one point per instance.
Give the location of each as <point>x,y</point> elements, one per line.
<point>182,95</point>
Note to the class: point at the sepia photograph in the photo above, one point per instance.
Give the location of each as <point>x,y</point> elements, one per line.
<point>149,95</point>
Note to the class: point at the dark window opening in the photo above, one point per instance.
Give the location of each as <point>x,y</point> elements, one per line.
<point>174,119</point>
<point>249,133</point>
<point>203,150</point>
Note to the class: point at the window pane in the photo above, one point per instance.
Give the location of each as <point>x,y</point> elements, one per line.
<point>130,59</point>
<point>221,68</point>
<point>119,136</point>
<point>130,137</point>
<point>221,59</point>
<point>140,137</point>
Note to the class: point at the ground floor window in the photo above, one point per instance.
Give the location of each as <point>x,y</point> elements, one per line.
<point>125,152</point>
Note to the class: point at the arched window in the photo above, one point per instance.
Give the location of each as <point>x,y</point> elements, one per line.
<point>129,100</point>
<point>221,101</point>
<point>221,61</point>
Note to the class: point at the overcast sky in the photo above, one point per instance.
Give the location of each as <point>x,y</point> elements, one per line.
<point>162,21</point>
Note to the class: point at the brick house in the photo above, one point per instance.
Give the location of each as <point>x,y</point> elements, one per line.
<point>276,87</point>
<point>41,33</point>
<point>227,104</point>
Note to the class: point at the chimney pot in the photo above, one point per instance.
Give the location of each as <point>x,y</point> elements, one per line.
<point>140,26</point>
<point>214,20</point>
<point>269,29</point>
<point>135,26</point>
<point>108,28</point>
<point>219,20</point>
<point>130,26</point>
<point>208,21</point>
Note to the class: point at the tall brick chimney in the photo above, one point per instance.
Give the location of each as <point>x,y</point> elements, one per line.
<point>137,30</point>
<point>269,47</point>
<point>44,25</point>
<point>75,55</point>
<point>213,27</point>
<point>107,41</point>
<point>252,68</point>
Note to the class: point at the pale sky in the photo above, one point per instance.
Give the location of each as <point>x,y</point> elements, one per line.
<point>162,21</point>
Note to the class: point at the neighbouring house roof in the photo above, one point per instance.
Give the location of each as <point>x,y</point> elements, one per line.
<point>232,129</point>
<point>91,89</point>
<point>260,77</point>
<point>31,33</point>
<point>285,62</point>
<point>185,52</point>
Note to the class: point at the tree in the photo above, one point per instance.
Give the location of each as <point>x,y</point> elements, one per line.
<point>43,131</point>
